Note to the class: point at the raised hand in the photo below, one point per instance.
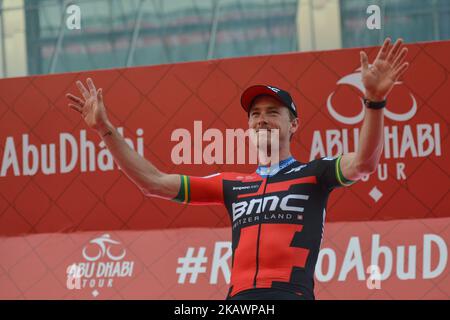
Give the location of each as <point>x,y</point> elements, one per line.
<point>91,106</point>
<point>388,67</point>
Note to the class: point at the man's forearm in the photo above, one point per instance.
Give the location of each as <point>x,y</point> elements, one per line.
<point>370,140</point>
<point>136,167</point>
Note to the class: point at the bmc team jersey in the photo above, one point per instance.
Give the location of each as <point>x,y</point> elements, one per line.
<point>277,216</point>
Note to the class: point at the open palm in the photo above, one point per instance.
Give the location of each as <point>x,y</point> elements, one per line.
<point>387,68</point>
<point>91,107</point>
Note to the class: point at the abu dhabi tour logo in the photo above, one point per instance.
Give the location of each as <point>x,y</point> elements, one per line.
<point>401,141</point>
<point>104,262</point>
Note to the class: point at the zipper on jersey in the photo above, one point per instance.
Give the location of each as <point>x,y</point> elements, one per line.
<point>259,234</point>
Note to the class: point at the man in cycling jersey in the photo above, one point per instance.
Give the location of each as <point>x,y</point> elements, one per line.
<point>277,213</point>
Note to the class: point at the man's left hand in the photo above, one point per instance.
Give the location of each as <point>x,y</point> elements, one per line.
<point>388,67</point>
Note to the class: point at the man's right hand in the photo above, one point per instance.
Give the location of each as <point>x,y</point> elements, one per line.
<point>91,106</point>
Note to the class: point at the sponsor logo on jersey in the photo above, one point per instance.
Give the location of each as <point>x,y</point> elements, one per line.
<point>268,204</point>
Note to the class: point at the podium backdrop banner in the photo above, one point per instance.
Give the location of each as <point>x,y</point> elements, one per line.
<point>72,225</point>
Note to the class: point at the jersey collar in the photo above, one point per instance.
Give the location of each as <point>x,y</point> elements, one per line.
<point>265,171</point>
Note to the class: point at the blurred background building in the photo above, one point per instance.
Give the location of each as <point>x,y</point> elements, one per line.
<point>34,38</point>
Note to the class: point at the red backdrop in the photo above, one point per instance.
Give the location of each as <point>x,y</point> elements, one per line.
<point>49,216</point>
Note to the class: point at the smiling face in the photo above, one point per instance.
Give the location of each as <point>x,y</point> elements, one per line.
<point>268,113</point>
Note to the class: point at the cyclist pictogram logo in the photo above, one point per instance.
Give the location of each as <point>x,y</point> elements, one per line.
<point>102,246</point>
<point>354,80</point>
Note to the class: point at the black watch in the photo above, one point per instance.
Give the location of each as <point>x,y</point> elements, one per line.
<point>374,104</point>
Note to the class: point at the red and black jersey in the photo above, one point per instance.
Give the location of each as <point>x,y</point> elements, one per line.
<point>277,216</point>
